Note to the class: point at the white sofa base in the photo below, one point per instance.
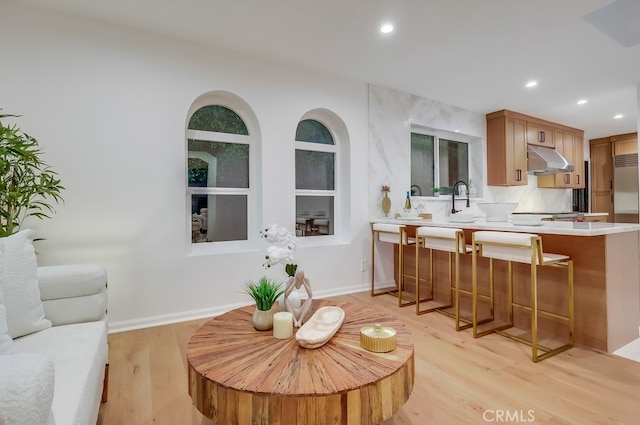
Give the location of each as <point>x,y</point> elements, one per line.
<point>79,355</point>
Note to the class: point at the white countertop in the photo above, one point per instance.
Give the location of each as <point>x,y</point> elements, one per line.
<point>546,227</point>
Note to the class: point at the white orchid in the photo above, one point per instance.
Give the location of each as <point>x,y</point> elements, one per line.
<point>283,248</point>
<point>279,236</point>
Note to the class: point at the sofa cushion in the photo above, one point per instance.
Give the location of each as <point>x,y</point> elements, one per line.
<point>69,281</point>
<point>27,389</point>
<point>79,355</point>
<point>88,308</point>
<point>5,340</point>
<point>19,285</point>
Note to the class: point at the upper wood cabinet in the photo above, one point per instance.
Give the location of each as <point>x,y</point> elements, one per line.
<point>540,134</point>
<point>625,144</point>
<point>508,134</point>
<point>506,150</point>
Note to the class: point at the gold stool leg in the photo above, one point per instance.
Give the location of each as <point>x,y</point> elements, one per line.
<point>417,274</point>
<point>474,291</point>
<point>534,313</point>
<point>571,305</point>
<point>401,243</point>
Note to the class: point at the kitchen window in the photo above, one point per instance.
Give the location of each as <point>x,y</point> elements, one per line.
<point>437,162</point>
<point>219,177</point>
<point>315,158</point>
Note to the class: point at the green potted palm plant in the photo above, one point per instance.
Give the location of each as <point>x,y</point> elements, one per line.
<point>265,293</point>
<point>28,186</point>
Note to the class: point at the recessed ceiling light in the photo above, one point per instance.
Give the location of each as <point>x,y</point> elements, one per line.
<point>618,116</point>
<point>532,83</point>
<point>386,28</point>
<point>582,101</point>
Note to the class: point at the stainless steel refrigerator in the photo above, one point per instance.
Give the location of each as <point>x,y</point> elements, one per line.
<point>625,188</point>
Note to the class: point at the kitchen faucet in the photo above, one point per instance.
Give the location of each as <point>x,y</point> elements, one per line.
<point>453,195</point>
<point>415,190</point>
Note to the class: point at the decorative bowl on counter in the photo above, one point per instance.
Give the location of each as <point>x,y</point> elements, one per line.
<point>410,215</point>
<point>497,211</point>
<point>461,218</point>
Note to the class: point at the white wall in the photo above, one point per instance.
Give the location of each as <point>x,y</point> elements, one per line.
<point>109,104</point>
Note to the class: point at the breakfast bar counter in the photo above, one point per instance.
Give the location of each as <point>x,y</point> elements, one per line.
<point>568,228</point>
<point>606,272</point>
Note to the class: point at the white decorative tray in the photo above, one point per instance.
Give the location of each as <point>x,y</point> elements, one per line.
<point>319,329</point>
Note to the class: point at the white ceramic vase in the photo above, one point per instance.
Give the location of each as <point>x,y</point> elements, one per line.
<point>263,320</point>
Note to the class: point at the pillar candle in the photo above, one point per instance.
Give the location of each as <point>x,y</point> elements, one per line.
<point>282,325</point>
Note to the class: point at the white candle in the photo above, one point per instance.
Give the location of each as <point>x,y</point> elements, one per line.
<point>282,325</point>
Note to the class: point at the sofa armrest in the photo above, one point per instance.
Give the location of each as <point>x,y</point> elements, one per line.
<point>26,389</point>
<point>73,293</point>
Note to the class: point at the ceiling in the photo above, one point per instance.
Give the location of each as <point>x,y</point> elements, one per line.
<point>453,51</point>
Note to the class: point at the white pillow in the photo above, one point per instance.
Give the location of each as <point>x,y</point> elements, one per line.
<point>19,285</point>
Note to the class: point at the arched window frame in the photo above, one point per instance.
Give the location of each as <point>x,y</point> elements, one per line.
<point>340,220</point>
<point>240,107</point>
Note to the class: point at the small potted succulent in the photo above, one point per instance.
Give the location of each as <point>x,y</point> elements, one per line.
<point>265,293</point>
<point>436,191</point>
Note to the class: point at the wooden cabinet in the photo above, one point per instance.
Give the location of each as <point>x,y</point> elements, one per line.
<point>506,150</point>
<point>508,134</point>
<point>578,157</point>
<point>596,219</point>
<point>601,153</point>
<point>602,202</point>
<point>569,143</point>
<point>625,144</point>
<point>540,134</point>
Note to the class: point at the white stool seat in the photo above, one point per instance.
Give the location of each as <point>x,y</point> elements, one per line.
<point>442,239</point>
<point>517,247</point>
<point>392,232</point>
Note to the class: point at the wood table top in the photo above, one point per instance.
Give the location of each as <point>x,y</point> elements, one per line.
<point>228,351</point>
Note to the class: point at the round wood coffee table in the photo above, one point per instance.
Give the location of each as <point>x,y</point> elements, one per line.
<point>238,375</point>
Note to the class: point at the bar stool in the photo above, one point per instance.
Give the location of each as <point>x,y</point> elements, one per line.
<point>521,248</point>
<point>396,234</point>
<point>453,242</point>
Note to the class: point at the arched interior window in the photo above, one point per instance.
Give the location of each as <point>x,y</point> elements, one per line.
<point>219,149</point>
<point>315,179</point>
<point>219,119</point>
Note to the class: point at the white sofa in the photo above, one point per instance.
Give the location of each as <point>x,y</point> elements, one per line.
<point>57,374</point>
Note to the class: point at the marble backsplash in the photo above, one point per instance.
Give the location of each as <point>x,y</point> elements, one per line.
<point>393,114</point>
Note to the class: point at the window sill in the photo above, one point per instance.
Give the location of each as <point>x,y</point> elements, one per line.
<point>213,248</point>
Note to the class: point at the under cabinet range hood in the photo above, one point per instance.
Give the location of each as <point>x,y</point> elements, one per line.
<point>542,160</point>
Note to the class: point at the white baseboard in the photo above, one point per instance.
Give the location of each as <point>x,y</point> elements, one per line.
<point>166,319</point>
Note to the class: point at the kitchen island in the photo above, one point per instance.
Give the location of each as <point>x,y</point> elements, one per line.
<point>606,275</point>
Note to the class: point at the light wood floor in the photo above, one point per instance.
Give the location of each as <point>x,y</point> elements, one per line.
<point>459,380</point>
